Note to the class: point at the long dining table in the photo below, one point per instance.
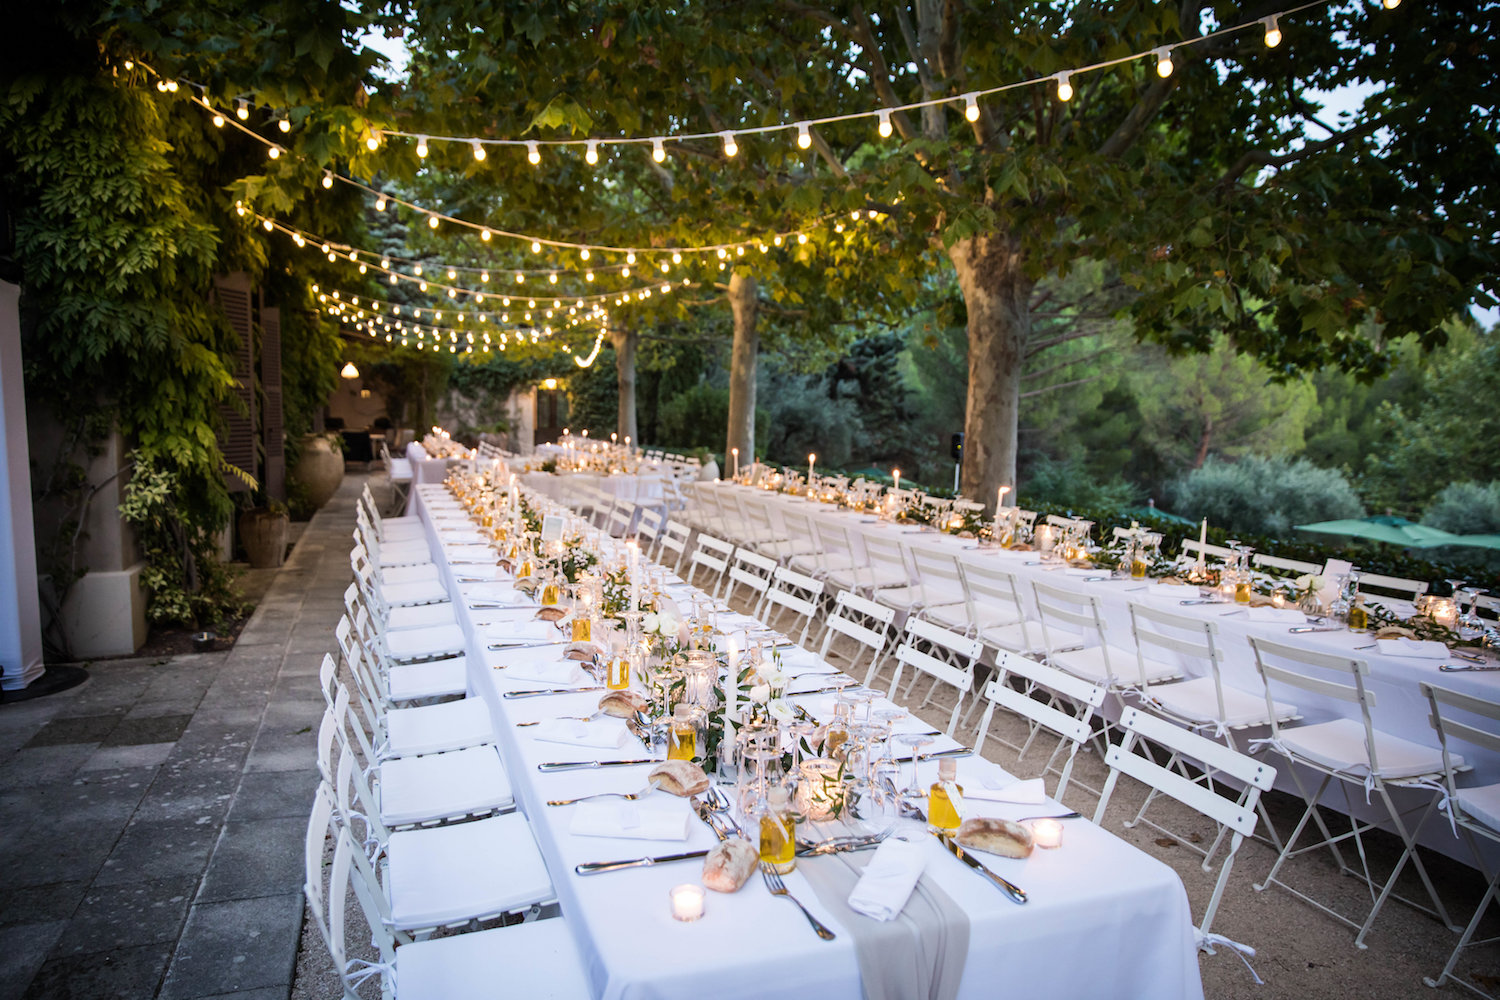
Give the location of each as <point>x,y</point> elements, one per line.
<point>1103,919</point>
<point>1400,708</point>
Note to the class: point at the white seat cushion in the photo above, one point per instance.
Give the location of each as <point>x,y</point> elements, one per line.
<point>1196,701</point>
<point>402,533</point>
<point>1482,803</point>
<point>1014,638</point>
<point>1339,745</point>
<point>415,553</point>
<point>537,960</point>
<point>442,875</point>
<point>413,681</point>
<point>900,598</point>
<point>414,592</point>
<point>440,785</point>
<point>426,573</point>
<point>436,728</point>
<point>1090,664</point>
<point>420,616</point>
<point>400,470</point>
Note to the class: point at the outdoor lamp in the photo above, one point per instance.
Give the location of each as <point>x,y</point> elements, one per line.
<point>349,371</point>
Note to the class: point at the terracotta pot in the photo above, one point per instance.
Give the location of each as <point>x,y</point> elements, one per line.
<point>263,534</point>
<point>320,469</point>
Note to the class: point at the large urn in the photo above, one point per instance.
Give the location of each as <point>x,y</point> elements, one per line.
<point>320,469</point>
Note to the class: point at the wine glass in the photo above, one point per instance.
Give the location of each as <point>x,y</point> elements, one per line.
<point>916,741</point>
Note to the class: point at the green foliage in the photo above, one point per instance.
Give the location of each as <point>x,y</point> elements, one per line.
<point>1263,495</point>
<point>1069,482</point>
<point>696,419</point>
<point>184,580</point>
<point>1466,509</point>
<point>594,396</point>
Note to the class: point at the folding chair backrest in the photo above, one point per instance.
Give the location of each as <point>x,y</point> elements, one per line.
<point>328,673</point>
<point>1056,606</point>
<point>937,575</point>
<point>1349,685</point>
<point>756,517</point>
<point>1400,587</point>
<point>799,532</point>
<point>833,541</point>
<point>1191,548</point>
<point>674,538</point>
<point>351,867</point>
<point>356,799</point>
<point>1289,565</point>
<point>1072,728</point>
<point>713,553</point>
<point>957,673</point>
<point>1158,630</point>
<point>649,523</point>
<point>1447,717</point>
<point>796,592</point>
<point>850,614</point>
<point>322,897</point>
<point>618,523</point>
<point>753,570</point>
<point>989,588</point>
<point>887,559</point>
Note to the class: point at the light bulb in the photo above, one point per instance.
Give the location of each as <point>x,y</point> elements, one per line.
<point>452,274</point>
<point>373,142</point>
<point>854,215</point>
<point>624,272</point>
<point>630,258</point>
<point>592,155</point>
<point>552,277</point>
<point>432,221</point>
<point>284,125</point>
<point>171,86</point>
<point>584,253</point>
<point>676,257</point>
<point>394,278</point>
<point>801,238</point>
<point>241,109</point>
<point>971,107</point>
<point>588,276</point>
<point>274,152</point>
<point>422,285</point>
<point>297,239</point>
<point>385,263</point>
<point>1064,87</point>
<point>269,225</point>
<point>327,180</point>
<point>658,152</point>
<point>1392,4</point>
<point>479,153</point>
<point>1163,62</point>
<point>422,146</point>
<point>485,234</point>
<point>665,267</point>
<point>536,246</point>
<point>380,204</point>
<point>129,65</point>
<point>533,153</point>
<point>885,124</point>
<point>776,240</point>
<point>1273,32</point>
<point>218,120</point>
<point>730,146</point>
<point>520,278</point>
<point>484,277</point>
<point>804,137</point>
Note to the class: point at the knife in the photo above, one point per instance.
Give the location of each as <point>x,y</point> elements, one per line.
<point>821,690</point>
<point>595,867</point>
<point>525,644</point>
<point>1298,629</point>
<point>541,691</point>
<point>955,752</point>
<point>1016,894</point>
<point>587,765</point>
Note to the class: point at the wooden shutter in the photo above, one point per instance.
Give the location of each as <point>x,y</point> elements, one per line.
<point>273,424</point>
<point>238,440</point>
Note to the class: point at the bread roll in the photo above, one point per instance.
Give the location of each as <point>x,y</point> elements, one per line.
<point>622,704</point>
<point>729,864</point>
<point>995,836</point>
<point>552,614</point>
<point>679,777</point>
<point>583,651</point>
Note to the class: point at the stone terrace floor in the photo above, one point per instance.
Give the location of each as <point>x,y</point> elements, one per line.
<point>152,819</point>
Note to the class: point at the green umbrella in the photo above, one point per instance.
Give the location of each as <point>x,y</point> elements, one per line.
<point>1475,541</point>
<point>1140,512</point>
<point>1382,528</point>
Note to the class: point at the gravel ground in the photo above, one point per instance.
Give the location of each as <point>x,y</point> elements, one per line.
<point>1300,952</point>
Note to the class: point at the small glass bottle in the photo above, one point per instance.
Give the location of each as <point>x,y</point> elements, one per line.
<point>618,678</point>
<point>583,627</point>
<point>945,800</point>
<point>551,592</point>
<point>778,832</point>
<point>838,731</point>
<point>682,739</point>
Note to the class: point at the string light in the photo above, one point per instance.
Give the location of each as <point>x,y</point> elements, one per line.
<point>536,246</point>
<point>432,221</point>
<point>1163,61</point>
<point>218,120</point>
<point>327,180</point>
<point>884,127</point>
<point>1064,87</point>
<point>730,146</point>
<point>658,151</point>
<point>592,155</point>
<point>274,152</point>
<point>804,137</point>
<point>533,153</point>
<point>478,150</point>
<point>422,146</point>
<point>242,109</point>
<point>1391,4</point>
<point>584,253</point>
<point>372,143</point>
<point>1273,32</point>
<point>380,204</point>
<point>971,107</point>
<point>284,125</point>
<point>485,235</point>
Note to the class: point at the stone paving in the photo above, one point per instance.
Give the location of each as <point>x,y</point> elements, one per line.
<point>152,819</point>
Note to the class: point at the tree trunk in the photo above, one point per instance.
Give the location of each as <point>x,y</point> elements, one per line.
<point>625,340</point>
<point>1204,441</point>
<point>743,302</point>
<point>997,295</point>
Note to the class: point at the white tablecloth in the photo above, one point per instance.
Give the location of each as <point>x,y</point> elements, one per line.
<point>424,468</point>
<point>645,488</point>
<point>1104,920</point>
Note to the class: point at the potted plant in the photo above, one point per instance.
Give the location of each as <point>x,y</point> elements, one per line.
<point>263,531</point>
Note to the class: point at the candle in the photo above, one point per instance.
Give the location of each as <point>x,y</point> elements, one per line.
<point>810,460</point>
<point>1202,540</point>
<point>614,437</point>
<point>687,902</point>
<point>1000,497</point>
<point>896,475</point>
<point>627,442</point>
<point>732,680</point>
<point>1047,833</point>
<point>734,473</point>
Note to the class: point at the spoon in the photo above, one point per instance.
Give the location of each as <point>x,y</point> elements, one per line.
<point>577,718</point>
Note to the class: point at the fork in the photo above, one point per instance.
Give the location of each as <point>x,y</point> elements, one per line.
<point>778,888</point>
<point>600,795</point>
<point>576,718</point>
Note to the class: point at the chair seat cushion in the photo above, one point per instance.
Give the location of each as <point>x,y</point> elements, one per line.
<point>414,592</point>
<point>1339,745</point>
<point>1090,664</point>
<point>1015,638</point>
<point>413,553</point>
<point>440,785</point>
<point>420,616</point>
<point>427,573</point>
<point>445,874</point>
<point>1482,802</point>
<point>537,960</point>
<point>436,728</point>
<point>425,643</point>
<point>1196,701</point>
<point>414,681</point>
<point>400,470</point>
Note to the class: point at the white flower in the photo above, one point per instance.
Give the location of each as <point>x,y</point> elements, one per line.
<point>668,623</point>
<point>760,693</point>
<point>650,622</point>
<point>1304,581</point>
<point>781,710</point>
<point>775,679</point>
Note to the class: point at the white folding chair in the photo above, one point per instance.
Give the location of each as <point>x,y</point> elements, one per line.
<point>1042,696</point>
<point>406,682</point>
<point>956,669</point>
<point>400,473</point>
<point>800,551</point>
<point>889,562</point>
<point>997,616</point>
<point>1286,565</point>
<point>397,586</point>
<point>1236,812</point>
<point>1357,755</point>
<point>673,545</point>
<point>752,570</point>
<point>1392,586</point>
<point>1069,621</point>
<point>941,587</point>
<point>1191,551</point>
<point>855,618</point>
<point>408,645</point>
<point>758,531</point>
<point>621,516</point>
<point>391,529</point>
<point>837,564</point>
<point>1473,810</point>
<point>649,525</point>
<point>711,555</point>
<point>793,592</point>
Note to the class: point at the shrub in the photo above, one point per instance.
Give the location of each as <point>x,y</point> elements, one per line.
<point>698,418</point>
<point>1264,496</point>
<point>1466,509</point>
<point>1067,482</point>
<point>804,420</point>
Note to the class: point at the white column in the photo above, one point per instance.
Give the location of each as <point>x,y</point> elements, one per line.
<point>20,608</point>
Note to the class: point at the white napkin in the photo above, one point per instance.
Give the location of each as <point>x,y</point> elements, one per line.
<point>1031,792</point>
<point>460,536</point>
<point>1282,616</point>
<point>522,632</point>
<point>470,553</point>
<point>498,593</point>
<point>606,734</point>
<point>1076,571</point>
<point>1423,649</point>
<point>559,672</point>
<point>1168,593</point>
<point>647,819</point>
<point>888,880</point>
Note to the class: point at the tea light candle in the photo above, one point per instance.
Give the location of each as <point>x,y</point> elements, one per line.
<point>1047,833</point>
<point>687,902</point>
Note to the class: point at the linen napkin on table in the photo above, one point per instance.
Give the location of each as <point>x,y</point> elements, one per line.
<point>498,593</point>
<point>558,672</point>
<point>647,819</point>
<point>1031,792</point>
<point>1168,593</point>
<point>886,884</point>
<point>606,734</point>
<point>1423,649</point>
<point>1281,616</point>
<point>515,633</point>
